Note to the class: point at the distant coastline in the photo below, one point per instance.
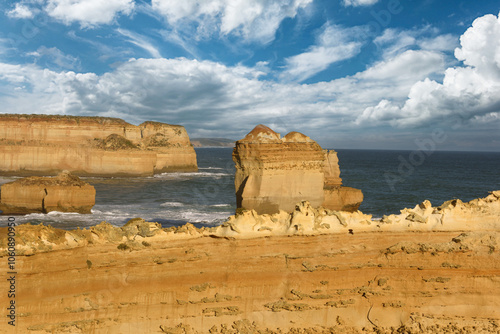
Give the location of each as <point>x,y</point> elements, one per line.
<point>212,142</point>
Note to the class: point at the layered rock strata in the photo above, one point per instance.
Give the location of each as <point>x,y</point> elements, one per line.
<point>63,193</point>
<point>412,280</point>
<point>94,146</point>
<point>274,173</point>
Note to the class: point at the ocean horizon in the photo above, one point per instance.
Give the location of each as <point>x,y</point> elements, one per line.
<point>391,180</point>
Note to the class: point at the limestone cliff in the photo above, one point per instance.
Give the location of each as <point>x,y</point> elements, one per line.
<point>398,276</point>
<point>274,173</point>
<point>64,193</point>
<point>97,146</point>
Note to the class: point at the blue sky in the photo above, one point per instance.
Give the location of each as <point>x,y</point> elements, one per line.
<point>382,74</point>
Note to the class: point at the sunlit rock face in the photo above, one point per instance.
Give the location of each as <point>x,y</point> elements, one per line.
<point>93,146</point>
<point>274,173</point>
<point>63,193</point>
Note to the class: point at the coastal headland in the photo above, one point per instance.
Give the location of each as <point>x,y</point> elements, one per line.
<point>430,269</point>
<point>91,146</point>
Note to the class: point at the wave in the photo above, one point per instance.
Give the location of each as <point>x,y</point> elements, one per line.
<point>221,205</point>
<point>170,176</point>
<point>173,204</point>
<point>8,179</point>
<point>204,217</point>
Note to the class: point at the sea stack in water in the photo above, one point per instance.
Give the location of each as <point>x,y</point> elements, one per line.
<point>95,146</point>
<point>63,193</point>
<point>274,173</point>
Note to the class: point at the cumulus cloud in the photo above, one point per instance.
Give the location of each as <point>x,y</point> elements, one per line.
<point>205,96</point>
<point>357,3</point>
<point>252,20</point>
<point>334,44</point>
<point>21,11</point>
<point>88,13</point>
<point>467,94</point>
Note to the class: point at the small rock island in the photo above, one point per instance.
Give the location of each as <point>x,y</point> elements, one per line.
<point>63,193</point>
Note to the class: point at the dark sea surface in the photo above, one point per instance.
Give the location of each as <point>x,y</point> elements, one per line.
<point>390,180</point>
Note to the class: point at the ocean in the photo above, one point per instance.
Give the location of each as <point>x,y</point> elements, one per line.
<point>390,181</point>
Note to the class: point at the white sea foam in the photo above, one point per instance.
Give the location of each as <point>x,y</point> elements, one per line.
<point>173,204</point>
<point>7,179</point>
<point>171,176</point>
<point>221,205</point>
<point>204,217</point>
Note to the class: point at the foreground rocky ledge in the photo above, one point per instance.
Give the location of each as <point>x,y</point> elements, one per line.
<point>477,215</point>
<point>427,270</point>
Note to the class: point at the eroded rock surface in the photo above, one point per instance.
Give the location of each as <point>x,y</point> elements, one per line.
<point>63,193</point>
<point>274,173</point>
<point>99,146</point>
<point>295,274</point>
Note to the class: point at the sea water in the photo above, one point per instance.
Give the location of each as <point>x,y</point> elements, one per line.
<point>390,181</point>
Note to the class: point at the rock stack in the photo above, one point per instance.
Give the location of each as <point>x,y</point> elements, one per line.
<point>274,173</point>
<point>63,193</point>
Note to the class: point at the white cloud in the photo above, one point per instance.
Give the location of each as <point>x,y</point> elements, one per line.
<point>467,93</point>
<point>212,99</point>
<point>204,96</point>
<point>334,44</point>
<point>407,66</point>
<point>356,3</point>
<point>88,13</point>
<point>140,41</point>
<point>21,11</point>
<point>56,57</point>
<point>481,46</point>
<point>393,42</point>
<point>252,20</point>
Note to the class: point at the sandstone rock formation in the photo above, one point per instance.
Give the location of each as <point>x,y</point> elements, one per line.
<point>481,214</point>
<point>63,193</point>
<point>274,173</point>
<point>97,146</point>
<point>324,279</point>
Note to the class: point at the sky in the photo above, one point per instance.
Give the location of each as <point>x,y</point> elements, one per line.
<point>352,74</point>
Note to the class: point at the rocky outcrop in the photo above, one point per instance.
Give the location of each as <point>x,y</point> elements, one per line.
<point>91,146</point>
<point>274,173</point>
<point>63,193</point>
<point>337,280</point>
<point>481,214</point>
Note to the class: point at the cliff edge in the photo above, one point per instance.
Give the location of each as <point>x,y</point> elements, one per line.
<point>91,146</point>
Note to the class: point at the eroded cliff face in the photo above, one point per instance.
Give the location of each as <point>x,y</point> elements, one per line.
<point>98,146</point>
<point>250,276</point>
<point>274,173</point>
<point>63,193</point>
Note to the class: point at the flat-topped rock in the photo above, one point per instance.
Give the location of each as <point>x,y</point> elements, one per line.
<point>274,173</point>
<point>93,146</point>
<point>63,193</point>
